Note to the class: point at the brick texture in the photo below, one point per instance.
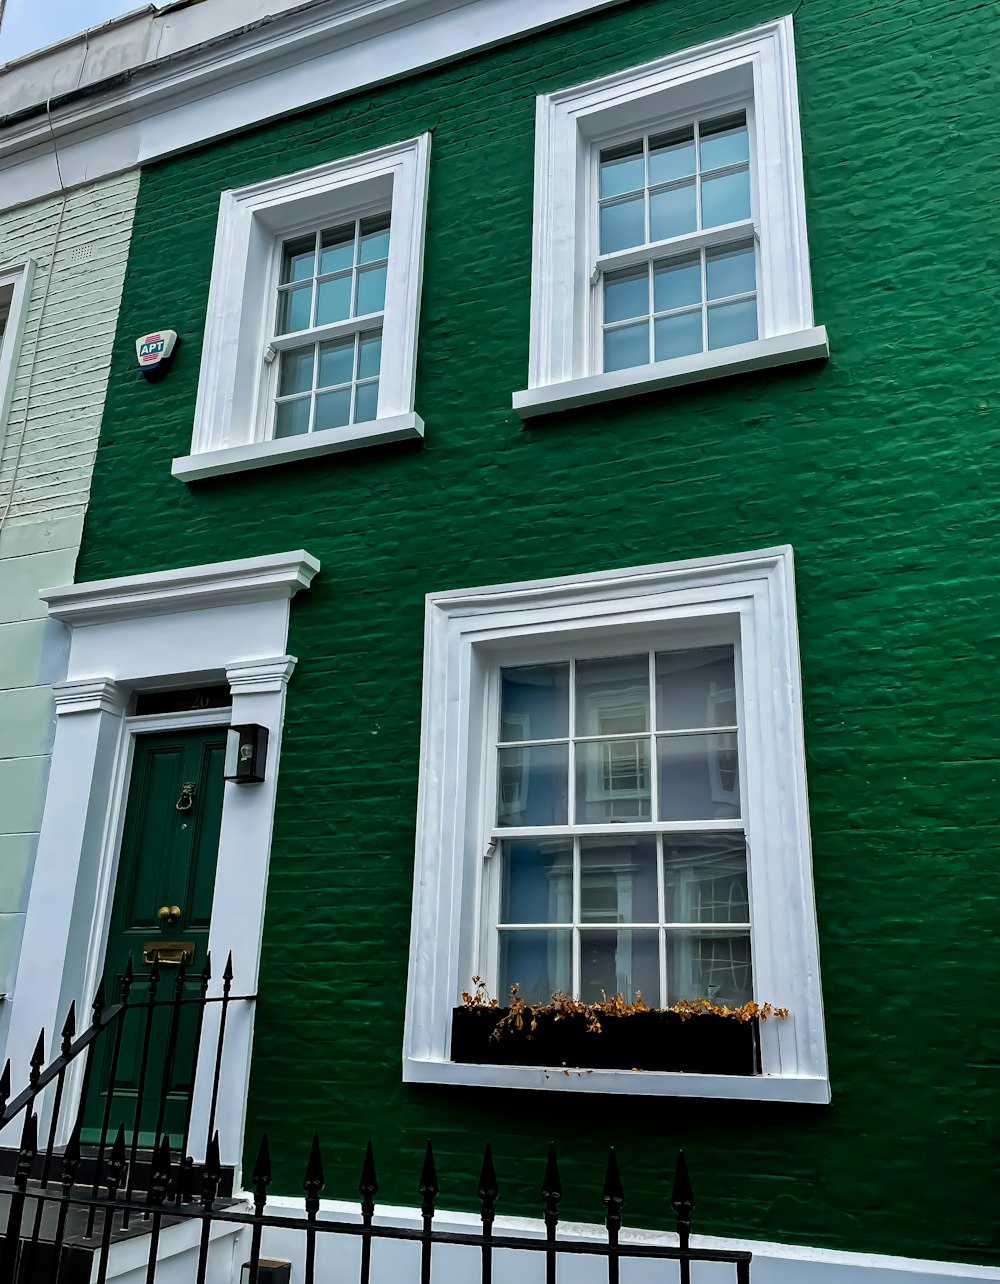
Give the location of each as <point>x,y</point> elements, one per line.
<point>879,467</point>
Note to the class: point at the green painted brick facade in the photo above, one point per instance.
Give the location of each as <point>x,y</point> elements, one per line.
<point>881,468</point>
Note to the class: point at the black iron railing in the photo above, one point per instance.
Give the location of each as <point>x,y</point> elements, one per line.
<point>79,1200</point>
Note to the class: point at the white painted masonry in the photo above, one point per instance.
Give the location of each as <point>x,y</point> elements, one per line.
<point>48,438</point>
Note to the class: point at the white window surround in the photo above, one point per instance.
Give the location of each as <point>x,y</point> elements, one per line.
<point>468,633</point>
<point>231,423</point>
<point>18,275</point>
<point>222,622</point>
<point>756,67</point>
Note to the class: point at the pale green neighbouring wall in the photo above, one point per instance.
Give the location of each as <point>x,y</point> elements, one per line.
<point>47,447</point>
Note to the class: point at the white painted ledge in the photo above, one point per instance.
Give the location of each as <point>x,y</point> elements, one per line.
<point>646,1083</point>
<point>193,588</point>
<point>762,354</point>
<point>265,454</point>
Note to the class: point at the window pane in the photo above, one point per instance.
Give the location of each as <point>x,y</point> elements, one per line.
<point>672,213</point>
<point>699,777</point>
<point>374,240</point>
<point>671,156</point>
<point>618,880</point>
<point>627,346</point>
<point>541,963</point>
<point>623,225</point>
<point>625,962</point>
<point>366,402</point>
<point>370,358</point>
<point>291,418</point>
<point>293,309</point>
<point>337,252</point>
<point>333,409</point>
<point>297,259</point>
<point>534,702</point>
<point>334,302</point>
<point>705,878</point>
<point>533,785</point>
<point>626,294</point>
<point>695,688</point>
<point>296,371</point>
<point>725,199</point>
<point>678,335</point>
<point>612,696</point>
<point>536,881</point>
<point>371,291</point>
<point>731,271</point>
<point>621,170</point>
<point>336,363</point>
<point>676,283</point>
<point>709,965</point>
<point>724,142</point>
<point>612,781</point>
<point>731,323</point>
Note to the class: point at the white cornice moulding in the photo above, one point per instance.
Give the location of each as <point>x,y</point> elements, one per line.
<point>316,54</point>
<point>249,579</point>
<point>89,695</point>
<point>257,677</point>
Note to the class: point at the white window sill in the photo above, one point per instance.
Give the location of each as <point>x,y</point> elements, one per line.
<point>264,454</point>
<point>646,1083</point>
<point>803,345</point>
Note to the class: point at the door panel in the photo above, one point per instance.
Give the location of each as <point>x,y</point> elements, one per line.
<point>168,858</point>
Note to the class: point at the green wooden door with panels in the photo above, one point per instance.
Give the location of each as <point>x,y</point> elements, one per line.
<point>162,908</point>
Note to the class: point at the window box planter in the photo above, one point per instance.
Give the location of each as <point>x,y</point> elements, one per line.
<point>654,1040</point>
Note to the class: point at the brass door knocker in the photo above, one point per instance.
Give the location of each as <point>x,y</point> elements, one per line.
<point>186,801</point>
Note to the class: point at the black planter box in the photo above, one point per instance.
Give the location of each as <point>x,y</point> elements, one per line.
<point>704,1044</point>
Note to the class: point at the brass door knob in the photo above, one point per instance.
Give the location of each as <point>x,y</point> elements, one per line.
<point>169,913</point>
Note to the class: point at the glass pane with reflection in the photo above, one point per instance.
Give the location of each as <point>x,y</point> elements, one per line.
<point>705,878</point>
<point>612,781</point>
<point>618,879</point>
<point>533,785</point>
<point>699,777</point>
<point>709,965</point>
<point>695,688</point>
<point>625,962</point>
<point>540,963</point>
<point>534,702</point>
<point>536,882</point>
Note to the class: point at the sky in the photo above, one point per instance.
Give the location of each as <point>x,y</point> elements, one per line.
<point>29,24</point>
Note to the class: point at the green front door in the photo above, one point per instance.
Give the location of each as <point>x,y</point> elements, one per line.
<point>162,907</point>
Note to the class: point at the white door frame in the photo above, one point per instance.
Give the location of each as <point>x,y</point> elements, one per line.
<point>222,621</point>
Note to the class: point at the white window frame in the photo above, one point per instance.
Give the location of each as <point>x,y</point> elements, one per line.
<point>234,415</point>
<point>20,276</point>
<point>755,70</point>
<point>469,633</point>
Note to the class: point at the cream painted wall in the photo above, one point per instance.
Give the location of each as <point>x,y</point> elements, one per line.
<point>47,448</point>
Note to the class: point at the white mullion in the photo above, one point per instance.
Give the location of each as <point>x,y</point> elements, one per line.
<point>571,747</point>
<point>654,774</point>
<point>646,224</point>
<point>314,284</point>
<point>661,916</point>
<point>703,259</point>
<point>314,386</point>
<point>577,918</point>
<point>697,177</point>
<point>650,335</point>
<point>637,828</point>
<point>354,376</point>
<point>698,731</point>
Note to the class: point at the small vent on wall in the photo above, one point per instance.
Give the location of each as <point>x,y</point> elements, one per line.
<point>80,253</point>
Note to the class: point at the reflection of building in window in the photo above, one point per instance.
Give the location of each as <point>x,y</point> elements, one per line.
<point>620,775</point>
<point>721,968</point>
<point>512,784</point>
<point>723,759</point>
<point>6,298</point>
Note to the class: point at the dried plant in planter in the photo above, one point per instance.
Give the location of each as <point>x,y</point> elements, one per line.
<point>693,1036</point>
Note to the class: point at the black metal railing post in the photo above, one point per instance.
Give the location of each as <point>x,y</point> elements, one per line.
<point>211,1175</point>
<point>428,1189</point>
<point>552,1193</point>
<point>613,1196</point>
<point>26,1156</point>
<point>367,1189</point>
<point>116,1048</point>
<point>312,1183</point>
<point>682,1202</point>
<point>114,1175</point>
<point>227,986</point>
<point>67,1178</point>
<point>261,1181</point>
<point>184,1191</point>
<point>487,1191</point>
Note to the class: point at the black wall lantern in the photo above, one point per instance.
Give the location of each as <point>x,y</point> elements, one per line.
<point>246,753</point>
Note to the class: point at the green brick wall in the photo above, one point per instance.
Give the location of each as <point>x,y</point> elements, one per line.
<point>881,468</point>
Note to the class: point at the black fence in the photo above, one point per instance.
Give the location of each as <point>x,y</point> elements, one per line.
<point>68,1206</point>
